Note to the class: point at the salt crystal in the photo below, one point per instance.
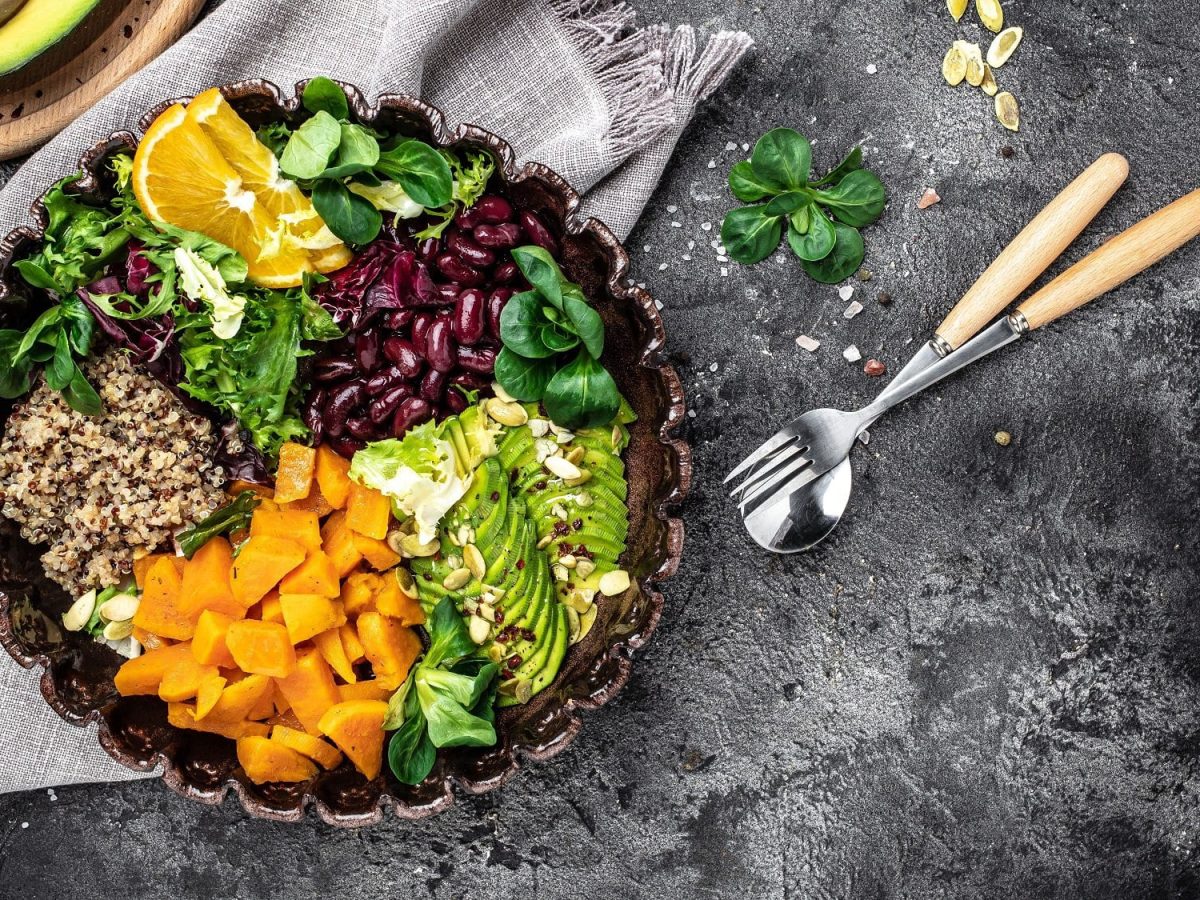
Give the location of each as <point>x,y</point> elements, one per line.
<point>852,310</point>
<point>713,367</point>
<point>865,437</point>
<point>712,163</point>
<point>706,226</point>
<point>872,69</point>
<point>672,209</point>
<point>929,198</point>
<point>732,145</point>
<point>714,244</point>
<point>691,245</point>
<point>24,824</point>
<point>846,291</point>
<point>851,354</point>
<point>686,257</point>
<point>662,267</point>
<point>645,248</point>
<point>658,304</point>
<point>676,224</point>
<point>745,146</point>
<point>691,414</point>
<point>724,272</point>
<point>804,342</point>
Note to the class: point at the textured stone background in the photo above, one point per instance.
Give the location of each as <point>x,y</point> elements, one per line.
<point>987,683</point>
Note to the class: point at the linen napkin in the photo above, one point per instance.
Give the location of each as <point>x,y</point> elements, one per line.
<point>573,84</point>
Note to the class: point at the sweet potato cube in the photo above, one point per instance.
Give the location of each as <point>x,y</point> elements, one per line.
<point>316,575</point>
<point>240,698</point>
<point>364,690</point>
<point>208,644</point>
<point>391,647</point>
<point>319,751</point>
<point>359,591</point>
<point>261,564</point>
<point>265,760</point>
<point>160,610</point>
<point>368,511</point>
<point>148,640</point>
<point>377,553</point>
<point>265,707</point>
<point>206,580</point>
<point>329,645</point>
<point>286,718</point>
<point>356,726</point>
<point>293,478</point>
<point>354,647</point>
<point>314,503</point>
<point>261,648</point>
<point>309,689</point>
<point>306,615</point>
<point>208,695</point>
<point>333,476</point>
<point>144,674</point>
<point>182,681</point>
<point>260,490</point>
<point>299,525</point>
<point>391,601</point>
<point>143,565</point>
<point>338,542</point>
<point>183,715</point>
<point>269,609</point>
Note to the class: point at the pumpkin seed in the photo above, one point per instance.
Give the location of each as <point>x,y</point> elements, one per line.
<point>511,414</point>
<point>954,66</point>
<point>118,631</point>
<point>539,427</point>
<point>989,81</point>
<point>456,579</point>
<point>568,560</point>
<point>479,629</point>
<point>990,13</point>
<point>495,653</point>
<point>576,456</point>
<point>487,611</point>
<point>618,438</point>
<point>578,602</point>
<point>474,561</point>
<point>560,572</point>
<point>974,72</point>
<point>119,608</point>
<point>410,545</point>
<point>573,631</point>
<point>563,468</point>
<point>454,562</point>
<point>583,478</point>
<point>408,587</point>
<point>584,568</point>
<point>957,8</point>
<point>563,437</point>
<point>500,392</point>
<point>586,621</point>
<point>1003,46</point>
<point>521,689</point>
<point>1007,111</point>
<point>614,582</point>
<point>545,542</point>
<point>80,613</point>
<point>584,499</point>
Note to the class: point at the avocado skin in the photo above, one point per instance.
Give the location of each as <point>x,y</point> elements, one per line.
<point>33,27</point>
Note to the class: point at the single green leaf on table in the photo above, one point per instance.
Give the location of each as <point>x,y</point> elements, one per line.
<point>749,234</point>
<point>349,216</point>
<point>582,394</point>
<point>817,241</point>
<point>781,160</point>
<point>523,326</point>
<point>541,271</point>
<point>843,261</point>
<point>745,185</point>
<point>422,172</point>
<point>357,152</point>
<point>852,161</point>
<point>787,203</point>
<point>311,146</point>
<point>323,95</point>
<point>524,379</point>
<point>856,200</point>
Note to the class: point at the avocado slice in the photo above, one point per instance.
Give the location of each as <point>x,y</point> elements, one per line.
<point>35,26</point>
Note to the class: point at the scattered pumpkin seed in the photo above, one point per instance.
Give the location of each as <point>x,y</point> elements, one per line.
<point>560,572</point>
<point>410,545</point>
<point>975,72</point>
<point>1007,111</point>
<point>80,613</point>
<point>118,631</point>
<point>119,608</point>
<point>511,414</point>
<point>584,567</point>
<point>487,611</point>
<point>954,66</point>
<point>479,629</point>
<point>989,81</point>
<point>576,456</point>
<point>582,478</point>
<point>568,560</point>
<point>563,468</point>
<point>586,621</point>
<point>545,542</point>
<point>614,583</point>
<point>539,427</point>
<point>573,630</point>
<point>520,689</point>
<point>544,449</point>
<point>1003,46</point>
<point>495,653</point>
<point>499,391</point>
<point>957,8</point>
<point>474,561</point>
<point>456,579</point>
<point>408,587</point>
<point>990,13</point>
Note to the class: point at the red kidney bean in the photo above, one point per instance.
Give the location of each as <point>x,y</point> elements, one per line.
<point>345,446</point>
<point>505,272</point>
<point>468,218</point>
<point>385,404</point>
<point>495,305</point>
<point>455,401</point>
<point>469,251</point>
<point>433,385</point>
<point>334,368</point>
<point>342,400</point>
<point>469,316</point>
<point>399,318</point>
<point>403,355</point>
<point>366,349</point>
<point>311,414</point>
<point>538,233</point>
<point>448,292</point>
<point>494,209</point>
<point>420,328</point>
<point>498,237</point>
<point>383,381</point>
<point>457,270</point>
<point>427,249</point>
<point>477,359</point>
<point>439,345</point>
<point>360,428</point>
<point>469,381</point>
<point>412,411</point>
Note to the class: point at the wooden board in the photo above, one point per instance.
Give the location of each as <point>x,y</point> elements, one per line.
<point>115,40</point>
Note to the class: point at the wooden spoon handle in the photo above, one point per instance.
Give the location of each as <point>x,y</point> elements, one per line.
<point>1116,261</point>
<point>1040,243</point>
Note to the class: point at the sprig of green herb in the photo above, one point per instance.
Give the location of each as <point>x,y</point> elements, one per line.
<point>822,217</point>
<point>446,701</point>
<point>233,516</point>
<point>538,328</point>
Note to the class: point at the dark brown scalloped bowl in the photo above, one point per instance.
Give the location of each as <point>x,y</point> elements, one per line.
<point>78,677</point>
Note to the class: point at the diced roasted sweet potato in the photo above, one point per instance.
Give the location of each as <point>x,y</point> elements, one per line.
<point>269,609</point>
<point>261,564</point>
<point>391,647</point>
<point>299,525</point>
<point>359,591</point>
<point>261,648</point>
<point>182,681</point>
<point>206,581</point>
<point>265,760</point>
<point>377,553</point>
<point>333,476</point>
<point>338,542</point>
<point>208,643</point>
<point>368,511</point>
<point>265,707</point>
<point>148,640</point>
<point>260,490</point>
<point>319,751</point>
<point>293,478</point>
<point>364,690</point>
<point>306,615</point>
<point>160,610</point>
<point>391,601</point>
<point>183,715</point>
<point>354,647</point>
<point>315,502</point>
<point>309,690</point>
<point>316,575</point>
<point>143,674</point>
<point>240,698</point>
<point>329,644</point>
<point>356,726</point>
<point>208,695</point>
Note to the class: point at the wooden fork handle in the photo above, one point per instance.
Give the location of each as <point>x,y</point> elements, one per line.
<point>1029,254</point>
<point>1116,261</point>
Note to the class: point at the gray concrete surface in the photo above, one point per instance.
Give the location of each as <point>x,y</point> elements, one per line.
<point>987,683</point>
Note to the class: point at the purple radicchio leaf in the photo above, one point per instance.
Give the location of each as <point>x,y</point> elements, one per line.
<point>238,456</point>
<point>151,340</point>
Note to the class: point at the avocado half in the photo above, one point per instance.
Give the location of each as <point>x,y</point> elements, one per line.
<point>34,26</point>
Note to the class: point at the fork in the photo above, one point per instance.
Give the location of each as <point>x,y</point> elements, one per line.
<point>1037,245</point>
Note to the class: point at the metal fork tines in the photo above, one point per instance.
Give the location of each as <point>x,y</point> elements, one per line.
<point>771,467</point>
<point>760,485</point>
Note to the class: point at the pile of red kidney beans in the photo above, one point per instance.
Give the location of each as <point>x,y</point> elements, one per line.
<point>422,324</point>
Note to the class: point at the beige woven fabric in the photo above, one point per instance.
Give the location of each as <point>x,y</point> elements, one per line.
<point>569,83</point>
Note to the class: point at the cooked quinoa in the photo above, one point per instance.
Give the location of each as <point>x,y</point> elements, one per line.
<point>102,491</point>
